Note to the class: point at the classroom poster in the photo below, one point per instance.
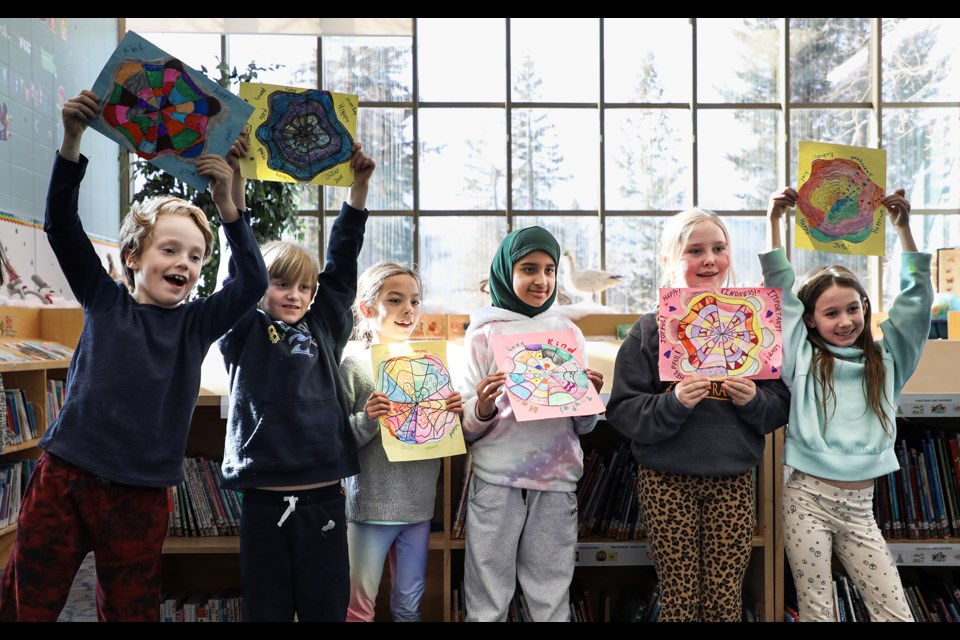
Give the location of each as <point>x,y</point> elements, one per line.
<point>416,379</point>
<point>948,271</point>
<point>299,135</point>
<point>839,208</point>
<point>546,376</point>
<point>164,111</point>
<point>720,333</point>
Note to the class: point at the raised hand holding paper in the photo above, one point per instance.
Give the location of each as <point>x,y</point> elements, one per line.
<point>164,111</point>
<point>839,208</point>
<point>300,135</point>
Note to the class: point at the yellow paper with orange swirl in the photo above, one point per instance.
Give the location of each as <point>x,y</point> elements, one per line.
<point>839,208</point>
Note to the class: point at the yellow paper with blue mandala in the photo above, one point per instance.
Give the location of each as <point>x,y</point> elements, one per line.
<point>839,208</point>
<point>415,378</point>
<point>299,135</point>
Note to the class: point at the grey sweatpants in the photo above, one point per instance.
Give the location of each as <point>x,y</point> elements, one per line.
<point>819,520</point>
<point>519,534</point>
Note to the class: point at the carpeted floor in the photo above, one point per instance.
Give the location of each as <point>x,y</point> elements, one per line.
<point>81,606</point>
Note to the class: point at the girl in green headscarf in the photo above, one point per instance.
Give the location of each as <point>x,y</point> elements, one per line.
<point>521,510</point>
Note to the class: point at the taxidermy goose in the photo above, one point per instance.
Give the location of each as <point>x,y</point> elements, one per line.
<point>589,281</point>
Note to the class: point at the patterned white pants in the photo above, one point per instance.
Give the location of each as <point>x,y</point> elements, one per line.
<point>819,520</point>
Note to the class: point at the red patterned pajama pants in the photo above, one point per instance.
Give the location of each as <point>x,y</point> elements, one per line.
<point>68,512</point>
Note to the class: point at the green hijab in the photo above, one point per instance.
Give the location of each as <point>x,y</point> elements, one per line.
<point>516,245</point>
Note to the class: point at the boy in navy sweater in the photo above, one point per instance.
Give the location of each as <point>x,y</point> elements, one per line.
<point>100,484</point>
<point>288,441</point>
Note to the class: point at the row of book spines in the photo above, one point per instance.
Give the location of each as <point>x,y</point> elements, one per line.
<point>927,605</point>
<point>199,506</point>
<point>28,350</point>
<point>224,606</point>
<point>922,499</point>
<point>629,527</point>
<point>607,496</point>
<point>56,394</point>
<point>848,603</point>
<point>458,531</point>
<point>13,483</point>
<point>21,416</point>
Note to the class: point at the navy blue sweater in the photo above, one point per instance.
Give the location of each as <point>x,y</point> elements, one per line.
<point>288,423</point>
<point>715,438</point>
<point>135,375</point>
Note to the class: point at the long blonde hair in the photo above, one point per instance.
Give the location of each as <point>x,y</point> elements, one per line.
<point>369,285</point>
<point>811,287</point>
<point>674,238</point>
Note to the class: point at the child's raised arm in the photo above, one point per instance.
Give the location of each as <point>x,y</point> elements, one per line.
<point>239,149</point>
<point>77,114</point>
<point>363,167</point>
<point>221,184</point>
<point>899,209</point>
<point>780,201</point>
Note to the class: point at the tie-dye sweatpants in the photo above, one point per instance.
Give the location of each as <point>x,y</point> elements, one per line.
<point>406,545</point>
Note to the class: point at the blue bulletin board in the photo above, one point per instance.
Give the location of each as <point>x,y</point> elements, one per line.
<point>43,62</point>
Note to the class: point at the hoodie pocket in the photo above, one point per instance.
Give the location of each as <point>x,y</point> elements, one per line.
<point>296,434</point>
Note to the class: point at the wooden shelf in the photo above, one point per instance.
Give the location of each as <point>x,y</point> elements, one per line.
<point>33,365</point>
<point>61,326</point>
<point>932,390</point>
<point>437,539</point>
<point>198,563</point>
<point>29,444</point>
<point>212,544</point>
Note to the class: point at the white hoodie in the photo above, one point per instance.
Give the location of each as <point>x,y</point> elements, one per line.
<point>543,455</point>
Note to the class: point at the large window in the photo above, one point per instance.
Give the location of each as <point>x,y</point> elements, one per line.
<point>599,129</point>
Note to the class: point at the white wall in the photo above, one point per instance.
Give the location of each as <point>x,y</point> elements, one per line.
<point>29,252</point>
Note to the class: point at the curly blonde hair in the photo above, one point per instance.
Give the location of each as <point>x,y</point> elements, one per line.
<point>139,223</point>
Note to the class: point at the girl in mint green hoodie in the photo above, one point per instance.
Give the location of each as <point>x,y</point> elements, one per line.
<point>845,386</point>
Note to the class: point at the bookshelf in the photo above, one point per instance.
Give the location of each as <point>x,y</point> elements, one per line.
<point>30,372</point>
<point>211,564</point>
<point>606,568</point>
<point>930,402</point>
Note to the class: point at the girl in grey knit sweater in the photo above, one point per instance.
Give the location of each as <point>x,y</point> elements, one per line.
<point>389,504</point>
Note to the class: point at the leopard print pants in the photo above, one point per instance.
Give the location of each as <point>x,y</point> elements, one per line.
<point>701,533</point>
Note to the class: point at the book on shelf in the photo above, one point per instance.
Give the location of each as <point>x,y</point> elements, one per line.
<point>21,416</point>
<point>198,504</point>
<point>33,350</point>
<point>458,531</point>
<point>13,483</point>
<point>56,394</point>
<point>921,500</point>
<point>607,496</point>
